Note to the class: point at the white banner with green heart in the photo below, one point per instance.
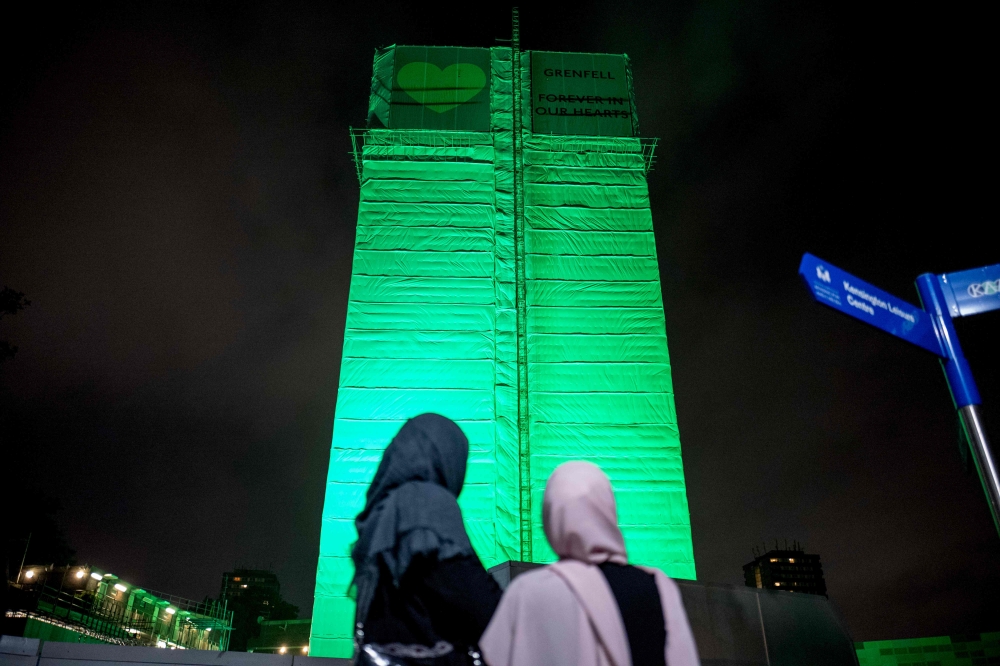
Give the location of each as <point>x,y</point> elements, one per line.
<point>440,88</point>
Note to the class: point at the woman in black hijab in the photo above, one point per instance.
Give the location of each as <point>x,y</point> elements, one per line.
<point>422,592</point>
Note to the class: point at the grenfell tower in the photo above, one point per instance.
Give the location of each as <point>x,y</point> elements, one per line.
<point>505,276</point>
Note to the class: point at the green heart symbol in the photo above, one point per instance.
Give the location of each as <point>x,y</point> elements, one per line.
<point>438,89</point>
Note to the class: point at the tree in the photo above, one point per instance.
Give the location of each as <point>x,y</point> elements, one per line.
<point>25,512</point>
<point>30,534</point>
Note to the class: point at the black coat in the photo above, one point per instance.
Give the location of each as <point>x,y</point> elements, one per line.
<point>451,600</point>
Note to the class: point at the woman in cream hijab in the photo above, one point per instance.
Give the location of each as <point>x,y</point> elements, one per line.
<point>590,608</point>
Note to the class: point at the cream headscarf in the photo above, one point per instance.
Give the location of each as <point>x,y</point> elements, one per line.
<point>580,517</point>
<point>581,523</point>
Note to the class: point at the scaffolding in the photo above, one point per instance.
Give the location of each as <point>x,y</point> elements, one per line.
<point>115,613</point>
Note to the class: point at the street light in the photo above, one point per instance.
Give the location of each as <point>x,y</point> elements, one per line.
<point>81,573</point>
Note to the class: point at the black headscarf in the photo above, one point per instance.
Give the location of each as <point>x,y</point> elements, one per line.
<point>412,504</point>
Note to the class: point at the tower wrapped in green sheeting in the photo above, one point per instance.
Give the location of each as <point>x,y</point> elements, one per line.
<point>505,276</point>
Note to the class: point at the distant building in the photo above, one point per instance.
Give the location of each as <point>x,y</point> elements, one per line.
<point>83,604</point>
<point>254,596</point>
<point>790,570</point>
<point>258,586</point>
<point>963,650</point>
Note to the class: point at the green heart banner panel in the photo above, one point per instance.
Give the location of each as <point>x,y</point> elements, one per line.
<point>505,275</point>
<point>431,88</point>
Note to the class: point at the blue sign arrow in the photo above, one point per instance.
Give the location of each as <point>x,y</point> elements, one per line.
<point>973,291</point>
<point>852,296</point>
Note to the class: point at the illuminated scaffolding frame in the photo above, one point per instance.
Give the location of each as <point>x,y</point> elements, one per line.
<point>81,603</point>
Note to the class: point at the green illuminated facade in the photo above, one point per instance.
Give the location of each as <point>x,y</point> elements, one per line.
<point>506,278</point>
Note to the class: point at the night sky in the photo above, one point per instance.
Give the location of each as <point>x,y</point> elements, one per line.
<point>178,202</point>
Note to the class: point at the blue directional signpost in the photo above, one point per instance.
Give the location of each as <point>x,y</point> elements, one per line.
<point>944,297</point>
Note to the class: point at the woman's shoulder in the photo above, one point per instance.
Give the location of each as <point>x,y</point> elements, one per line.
<point>663,581</point>
<point>538,582</point>
<point>536,575</point>
<point>538,593</point>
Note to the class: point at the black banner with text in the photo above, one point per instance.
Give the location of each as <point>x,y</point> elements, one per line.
<point>580,93</point>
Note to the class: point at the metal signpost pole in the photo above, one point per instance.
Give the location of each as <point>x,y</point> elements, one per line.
<point>963,389</point>
<point>985,462</point>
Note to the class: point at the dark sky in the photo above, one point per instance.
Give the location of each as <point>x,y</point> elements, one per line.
<point>178,202</point>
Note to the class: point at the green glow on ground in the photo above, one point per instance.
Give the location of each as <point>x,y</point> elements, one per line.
<point>935,651</point>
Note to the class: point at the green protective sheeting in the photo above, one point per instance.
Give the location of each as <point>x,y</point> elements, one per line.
<point>426,191</point>
<point>576,267</point>
<point>401,263</point>
<point>586,196</point>
<point>597,320</point>
<point>584,243</point>
<point>538,155</point>
<point>588,219</point>
<point>405,289</point>
<point>592,293</point>
<point>580,175</point>
<point>434,239</point>
<point>380,98</point>
<point>476,148</point>
<point>398,216</point>
<point>429,170</point>
<point>433,324</point>
<point>569,347</point>
<point>599,377</point>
